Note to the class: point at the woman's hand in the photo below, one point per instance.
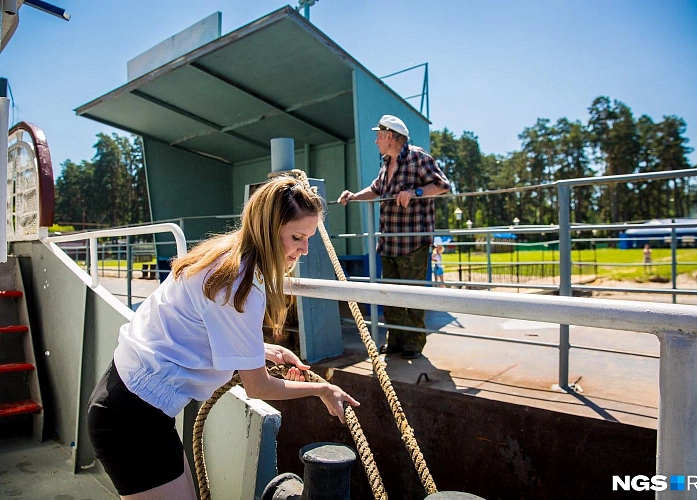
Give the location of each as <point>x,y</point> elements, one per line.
<point>295,375</point>
<point>333,398</point>
<point>282,356</point>
<point>259,385</point>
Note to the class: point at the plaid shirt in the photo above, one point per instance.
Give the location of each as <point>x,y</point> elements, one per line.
<point>415,168</point>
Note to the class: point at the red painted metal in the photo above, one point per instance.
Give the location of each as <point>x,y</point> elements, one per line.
<point>14,329</point>
<point>10,293</point>
<point>19,408</point>
<point>16,367</point>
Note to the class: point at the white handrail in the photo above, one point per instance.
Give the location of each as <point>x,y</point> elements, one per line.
<point>674,325</point>
<point>92,236</point>
<point>595,313</point>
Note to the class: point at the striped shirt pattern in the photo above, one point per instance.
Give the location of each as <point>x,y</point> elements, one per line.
<point>415,168</point>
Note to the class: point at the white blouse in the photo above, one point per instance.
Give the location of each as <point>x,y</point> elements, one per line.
<point>181,346</point>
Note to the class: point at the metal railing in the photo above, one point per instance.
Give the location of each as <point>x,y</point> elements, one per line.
<point>424,87</point>
<point>564,229</point>
<point>93,236</point>
<point>675,325</point>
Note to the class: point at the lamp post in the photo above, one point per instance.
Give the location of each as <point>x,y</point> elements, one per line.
<point>458,218</point>
<point>580,258</point>
<point>469,249</point>
<point>595,253</point>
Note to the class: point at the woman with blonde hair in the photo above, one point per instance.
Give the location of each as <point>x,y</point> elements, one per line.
<point>203,323</point>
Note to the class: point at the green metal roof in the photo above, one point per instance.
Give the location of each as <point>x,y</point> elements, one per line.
<point>278,76</point>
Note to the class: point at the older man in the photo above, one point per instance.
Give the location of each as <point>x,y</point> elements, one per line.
<point>408,174</point>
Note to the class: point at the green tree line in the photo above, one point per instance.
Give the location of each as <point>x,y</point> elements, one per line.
<point>108,191</point>
<point>111,189</point>
<point>611,142</point>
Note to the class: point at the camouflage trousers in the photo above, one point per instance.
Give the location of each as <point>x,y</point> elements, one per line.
<point>406,267</point>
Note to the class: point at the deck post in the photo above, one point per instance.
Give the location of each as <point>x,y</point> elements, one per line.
<point>372,270</point>
<point>564,280</point>
<point>676,452</point>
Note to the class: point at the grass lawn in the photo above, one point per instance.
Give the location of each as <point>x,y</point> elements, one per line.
<point>114,265</point>
<point>611,263</point>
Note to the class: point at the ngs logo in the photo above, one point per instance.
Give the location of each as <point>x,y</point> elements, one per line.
<point>655,483</point>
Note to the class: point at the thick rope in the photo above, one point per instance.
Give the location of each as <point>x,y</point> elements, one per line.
<point>354,426</point>
<point>362,447</point>
<point>400,418</point>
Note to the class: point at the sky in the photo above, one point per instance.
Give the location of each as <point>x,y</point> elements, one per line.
<point>494,66</point>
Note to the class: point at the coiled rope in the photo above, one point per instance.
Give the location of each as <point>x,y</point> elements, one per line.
<point>354,426</point>
<point>407,433</point>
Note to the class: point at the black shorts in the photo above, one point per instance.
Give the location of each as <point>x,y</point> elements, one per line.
<point>136,443</point>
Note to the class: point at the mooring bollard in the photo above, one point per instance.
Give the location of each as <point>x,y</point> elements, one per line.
<point>327,475</point>
<point>286,486</point>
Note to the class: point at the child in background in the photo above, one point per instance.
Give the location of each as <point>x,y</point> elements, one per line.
<point>437,260</point>
<point>647,258</point>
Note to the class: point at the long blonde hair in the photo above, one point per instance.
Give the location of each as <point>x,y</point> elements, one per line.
<point>257,243</point>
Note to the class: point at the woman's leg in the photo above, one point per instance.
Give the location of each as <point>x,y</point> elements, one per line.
<point>137,444</point>
<point>181,488</point>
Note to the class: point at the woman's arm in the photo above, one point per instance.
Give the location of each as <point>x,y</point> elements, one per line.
<point>259,385</point>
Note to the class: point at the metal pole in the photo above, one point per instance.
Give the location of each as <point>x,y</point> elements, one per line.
<point>424,93</point>
<point>677,432</point>
<point>372,269</point>
<point>129,271</point>
<point>488,258</point>
<point>94,272</point>
<point>543,265</point>
<point>595,258</point>
<point>459,253</point>
<point>674,261</point>
<point>517,262</point>
<point>103,260</point>
<point>469,255</point>
<point>564,280</point>
<point>283,153</point>
<point>179,238</point>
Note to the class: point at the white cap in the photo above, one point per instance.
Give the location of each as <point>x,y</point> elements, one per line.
<point>389,122</point>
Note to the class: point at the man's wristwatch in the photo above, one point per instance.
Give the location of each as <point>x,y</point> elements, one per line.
<point>419,192</point>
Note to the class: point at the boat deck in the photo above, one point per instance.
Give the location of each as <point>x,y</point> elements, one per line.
<point>615,387</point>
<point>30,470</point>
